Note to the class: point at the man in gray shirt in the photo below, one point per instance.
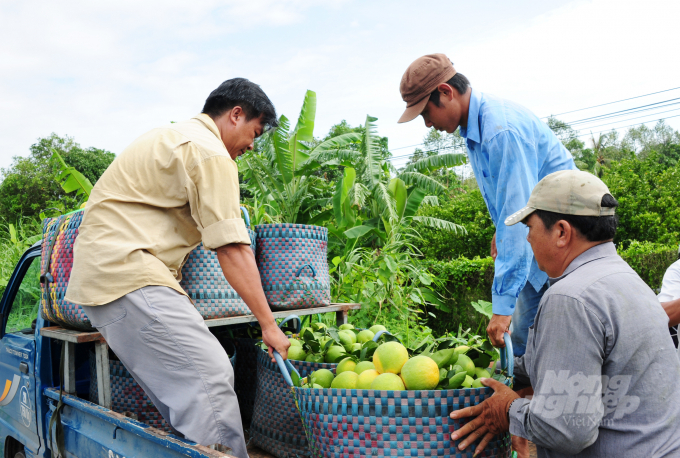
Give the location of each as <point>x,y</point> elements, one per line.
<point>604,370</point>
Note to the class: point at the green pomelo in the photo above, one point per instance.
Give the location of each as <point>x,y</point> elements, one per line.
<point>346,380</point>
<point>467,383</point>
<point>295,343</point>
<point>366,379</point>
<point>323,377</point>
<point>420,373</point>
<point>466,363</point>
<point>317,386</point>
<point>364,366</point>
<point>346,326</point>
<point>388,381</point>
<point>335,353</point>
<point>481,373</point>
<point>365,336</point>
<point>306,328</point>
<point>288,333</point>
<point>347,338</point>
<point>314,358</point>
<point>356,346</point>
<point>456,368</point>
<point>457,380</point>
<point>377,327</point>
<point>477,384</point>
<point>318,326</point>
<point>296,353</point>
<point>390,357</point>
<point>345,365</point>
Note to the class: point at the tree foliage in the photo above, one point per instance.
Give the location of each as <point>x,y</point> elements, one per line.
<point>30,185</point>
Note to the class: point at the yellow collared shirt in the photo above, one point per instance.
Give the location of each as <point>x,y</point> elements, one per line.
<point>169,190</point>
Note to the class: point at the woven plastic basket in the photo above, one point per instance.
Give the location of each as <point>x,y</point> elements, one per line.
<point>127,396</point>
<point>276,426</point>
<point>204,282</point>
<point>360,423</point>
<point>56,262</point>
<point>293,264</point>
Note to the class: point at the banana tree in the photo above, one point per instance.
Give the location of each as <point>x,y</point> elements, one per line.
<point>283,173</point>
<point>378,205</point>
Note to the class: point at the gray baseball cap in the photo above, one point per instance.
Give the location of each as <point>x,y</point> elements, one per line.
<point>569,192</point>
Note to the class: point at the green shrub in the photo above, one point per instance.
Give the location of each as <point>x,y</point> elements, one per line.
<point>464,280</point>
<point>649,260</point>
<point>467,209</point>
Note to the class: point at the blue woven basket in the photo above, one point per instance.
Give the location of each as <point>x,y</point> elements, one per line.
<point>128,396</point>
<point>359,423</point>
<point>56,262</point>
<point>204,282</point>
<point>276,426</point>
<point>293,264</point>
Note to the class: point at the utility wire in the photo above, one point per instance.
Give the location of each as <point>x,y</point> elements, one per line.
<point>610,103</point>
<point>626,111</point>
<point>460,146</point>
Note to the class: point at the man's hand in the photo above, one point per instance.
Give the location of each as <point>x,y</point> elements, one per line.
<point>275,339</point>
<point>492,417</point>
<point>499,325</point>
<point>494,250</point>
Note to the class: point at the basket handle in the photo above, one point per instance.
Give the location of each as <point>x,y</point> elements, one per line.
<point>297,274</point>
<point>246,216</point>
<point>292,317</point>
<point>507,357</point>
<point>285,367</point>
<point>379,333</point>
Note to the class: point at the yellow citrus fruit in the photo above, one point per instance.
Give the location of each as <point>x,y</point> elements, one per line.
<point>366,379</point>
<point>388,381</point>
<point>466,363</point>
<point>346,380</point>
<point>345,365</point>
<point>420,373</point>
<point>364,366</point>
<point>390,357</point>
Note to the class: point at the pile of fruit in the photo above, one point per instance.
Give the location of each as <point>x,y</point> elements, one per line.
<point>319,343</point>
<point>392,369</point>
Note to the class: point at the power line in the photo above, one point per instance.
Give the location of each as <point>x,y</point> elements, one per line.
<point>461,146</point>
<point>626,111</point>
<point>610,103</point>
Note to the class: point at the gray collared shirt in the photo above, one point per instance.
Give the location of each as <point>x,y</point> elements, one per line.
<point>605,373</point>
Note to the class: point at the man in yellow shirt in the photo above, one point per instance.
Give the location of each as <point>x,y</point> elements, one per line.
<point>171,189</point>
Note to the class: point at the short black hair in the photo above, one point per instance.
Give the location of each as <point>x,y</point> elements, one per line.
<point>459,82</point>
<point>593,228</point>
<point>245,94</point>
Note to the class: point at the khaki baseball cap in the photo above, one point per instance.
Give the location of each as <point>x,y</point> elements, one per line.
<point>569,192</point>
<point>419,81</point>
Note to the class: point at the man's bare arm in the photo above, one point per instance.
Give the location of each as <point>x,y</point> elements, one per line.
<point>240,270</point>
<point>672,308</point>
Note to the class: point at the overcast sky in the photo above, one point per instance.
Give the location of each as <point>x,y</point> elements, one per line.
<point>105,72</point>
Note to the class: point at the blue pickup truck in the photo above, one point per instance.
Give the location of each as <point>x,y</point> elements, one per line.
<point>29,380</point>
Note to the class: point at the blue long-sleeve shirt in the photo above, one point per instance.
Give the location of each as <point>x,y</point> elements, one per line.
<point>510,151</point>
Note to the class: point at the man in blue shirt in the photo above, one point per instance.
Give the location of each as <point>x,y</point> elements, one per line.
<point>510,151</point>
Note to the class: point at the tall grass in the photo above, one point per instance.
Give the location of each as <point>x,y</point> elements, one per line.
<point>14,240</point>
